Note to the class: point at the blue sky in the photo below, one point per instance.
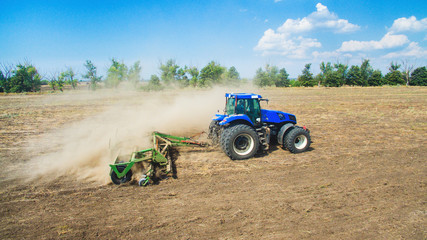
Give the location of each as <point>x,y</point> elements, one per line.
<point>54,35</point>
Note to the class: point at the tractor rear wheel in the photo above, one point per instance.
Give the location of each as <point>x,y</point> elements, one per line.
<point>239,142</point>
<point>124,179</point>
<point>297,140</point>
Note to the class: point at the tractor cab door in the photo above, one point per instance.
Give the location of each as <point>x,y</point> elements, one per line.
<point>230,106</point>
<point>253,111</point>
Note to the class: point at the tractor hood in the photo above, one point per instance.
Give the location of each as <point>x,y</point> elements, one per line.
<point>271,116</point>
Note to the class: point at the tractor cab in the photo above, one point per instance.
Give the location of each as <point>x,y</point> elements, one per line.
<point>244,104</point>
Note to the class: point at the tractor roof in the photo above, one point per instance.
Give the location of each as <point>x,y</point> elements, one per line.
<point>242,95</point>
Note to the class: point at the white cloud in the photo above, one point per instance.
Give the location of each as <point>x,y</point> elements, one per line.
<point>413,50</point>
<point>321,8</point>
<point>295,26</point>
<point>409,24</point>
<point>287,41</point>
<point>389,40</point>
<point>275,43</point>
<point>322,18</point>
<point>340,25</point>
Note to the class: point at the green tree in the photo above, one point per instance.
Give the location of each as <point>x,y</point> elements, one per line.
<point>91,74</point>
<point>194,74</point>
<point>53,81</point>
<point>295,83</point>
<point>319,79</point>
<point>25,79</point>
<point>376,79</point>
<point>182,78</point>
<point>134,74</point>
<point>262,78</point>
<point>306,79</point>
<point>168,72</point>
<point>116,73</point>
<point>394,77</point>
<point>271,76</point>
<point>282,79</point>
<point>69,78</point>
<point>154,84</point>
<point>366,72</point>
<point>211,74</point>
<point>342,70</point>
<point>394,67</point>
<point>419,77</point>
<point>5,75</point>
<point>354,75</point>
<point>333,79</point>
<point>232,77</point>
<point>60,82</point>
<point>325,69</point>
<point>57,82</point>
<point>3,82</point>
<point>52,84</point>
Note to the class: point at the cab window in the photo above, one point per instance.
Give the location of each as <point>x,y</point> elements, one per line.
<point>229,108</point>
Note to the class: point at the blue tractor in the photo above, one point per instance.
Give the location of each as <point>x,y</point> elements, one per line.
<point>245,128</point>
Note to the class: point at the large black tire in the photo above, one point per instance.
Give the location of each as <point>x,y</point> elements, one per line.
<point>213,132</point>
<point>124,179</point>
<point>297,140</point>
<point>239,142</point>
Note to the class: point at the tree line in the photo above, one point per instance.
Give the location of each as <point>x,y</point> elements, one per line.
<point>25,77</point>
<point>338,74</point>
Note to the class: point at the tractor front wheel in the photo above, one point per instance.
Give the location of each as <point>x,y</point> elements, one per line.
<point>297,140</point>
<point>239,142</point>
<point>214,132</point>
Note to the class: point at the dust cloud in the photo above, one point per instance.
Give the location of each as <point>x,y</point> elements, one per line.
<point>85,149</point>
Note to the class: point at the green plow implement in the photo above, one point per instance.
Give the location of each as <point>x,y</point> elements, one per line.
<point>158,160</point>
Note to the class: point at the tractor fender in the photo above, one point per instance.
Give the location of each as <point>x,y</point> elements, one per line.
<point>219,117</point>
<point>282,132</point>
<point>236,118</point>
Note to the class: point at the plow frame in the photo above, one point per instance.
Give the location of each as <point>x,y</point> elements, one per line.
<point>159,154</point>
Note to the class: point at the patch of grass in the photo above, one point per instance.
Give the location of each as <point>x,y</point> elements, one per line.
<point>64,229</point>
<point>9,115</point>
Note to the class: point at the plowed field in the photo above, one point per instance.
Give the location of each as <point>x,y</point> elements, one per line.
<point>364,177</point>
